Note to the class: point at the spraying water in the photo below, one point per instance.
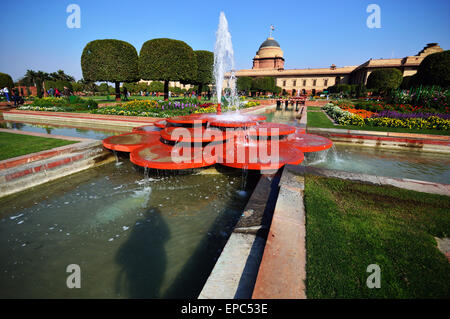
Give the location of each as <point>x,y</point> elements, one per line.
<point>224,62</point>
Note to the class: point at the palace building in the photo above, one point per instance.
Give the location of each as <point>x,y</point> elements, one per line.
<point>269,61</point>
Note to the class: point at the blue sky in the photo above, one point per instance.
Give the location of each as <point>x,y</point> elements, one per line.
<point>311,33</point>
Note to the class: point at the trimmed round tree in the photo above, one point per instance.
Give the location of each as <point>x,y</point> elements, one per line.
<point>6,81</point>
<point>111,61</point>
<point>383,80</point>
<point>205,65</point>
<point>244,83</point>
<point>435,70</point>
<point>167,60</point>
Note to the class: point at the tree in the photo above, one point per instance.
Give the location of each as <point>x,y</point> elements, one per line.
<point>6,81</point>
<point>77,86</point>
<point>435,70</point>
<point>156,86</point>
<point>205,65</point>
<point>383,80</point>
<point>29,79</point>
<point>110,61</point>
<point>264,84</point>
<point>61,76</point>
<point>167,60</point>
<point>244,83</point>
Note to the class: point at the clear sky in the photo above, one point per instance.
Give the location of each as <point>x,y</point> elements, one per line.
<point>312,34</point>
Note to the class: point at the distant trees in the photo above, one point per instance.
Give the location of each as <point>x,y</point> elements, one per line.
<point>167,60</point>
<point>264,84</point>
<point>205,65</point>
<point>110,60</point>
<point>244,83</point>
<point>6,81</point>
<point>383,80</point>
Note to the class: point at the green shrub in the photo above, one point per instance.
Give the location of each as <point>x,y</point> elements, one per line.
<point>435,70</point>
<point>383,80</point>
<point>6,80</point>
<point>73,103</point>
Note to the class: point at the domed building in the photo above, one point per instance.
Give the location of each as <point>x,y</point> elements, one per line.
<point>269,56</point>
<point>269,62</point>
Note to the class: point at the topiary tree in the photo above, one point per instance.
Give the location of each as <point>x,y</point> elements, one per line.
<point>383,80</point>
<point>110,61</point>
<point>263,84</point>
<point>6,81</point>
<point>205,65</point>
<point>244,83</point>
<point>435,70</point>
<point>167,60</point>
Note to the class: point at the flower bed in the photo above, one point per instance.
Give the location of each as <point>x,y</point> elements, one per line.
<point>378,106</point>
<point>61,104</point>
<point>145,108</point>
<point>392,119</point>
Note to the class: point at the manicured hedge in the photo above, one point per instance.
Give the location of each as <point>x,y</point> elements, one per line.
<point>6,80</point>
<point>384,79</point>
<point>109,60</point>
<point>435,70</point>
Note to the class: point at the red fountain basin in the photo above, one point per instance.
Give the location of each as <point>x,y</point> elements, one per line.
<point>238,150</point>
<point>130,141</point>
<point>309,142</point>
<point>192,134</point>
<point>167,157</point>
<point>259,155</point>
<point>271,129</point>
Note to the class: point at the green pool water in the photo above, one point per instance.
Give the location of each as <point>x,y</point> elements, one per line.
<point>132,237</point>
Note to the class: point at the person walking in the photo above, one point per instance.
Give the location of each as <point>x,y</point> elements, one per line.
<point>6,92</point>
<point>67,92</point>
<point>16,96</point>
<point>125,94</point>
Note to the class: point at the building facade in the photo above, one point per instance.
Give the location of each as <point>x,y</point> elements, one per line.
<point>269,61</point>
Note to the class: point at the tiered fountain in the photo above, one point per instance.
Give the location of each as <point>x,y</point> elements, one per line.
<point>232,139</point>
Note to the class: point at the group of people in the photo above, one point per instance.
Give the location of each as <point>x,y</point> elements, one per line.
<point>55,92</point>
<point>14,97</point>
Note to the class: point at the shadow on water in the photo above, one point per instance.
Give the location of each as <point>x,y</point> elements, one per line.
<point>212,244</point>
<point>143,257</point>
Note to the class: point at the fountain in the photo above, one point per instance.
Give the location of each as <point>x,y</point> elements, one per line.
<point>232,139</point>
<point>223,62</point>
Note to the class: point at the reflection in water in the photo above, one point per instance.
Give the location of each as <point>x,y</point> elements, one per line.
<point>432,167</point>
<point>96,134</point>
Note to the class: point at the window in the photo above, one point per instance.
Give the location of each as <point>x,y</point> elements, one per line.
<point>304,82</point>
<point>294,83</point>
<point>284,83</point>
<point>314,82</point>
<point>325,82</point>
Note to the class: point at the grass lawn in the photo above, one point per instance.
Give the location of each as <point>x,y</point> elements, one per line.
<point>12,145</point>
<point>314,108</point>
<point>319,119</point>
<point>351,225</point>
